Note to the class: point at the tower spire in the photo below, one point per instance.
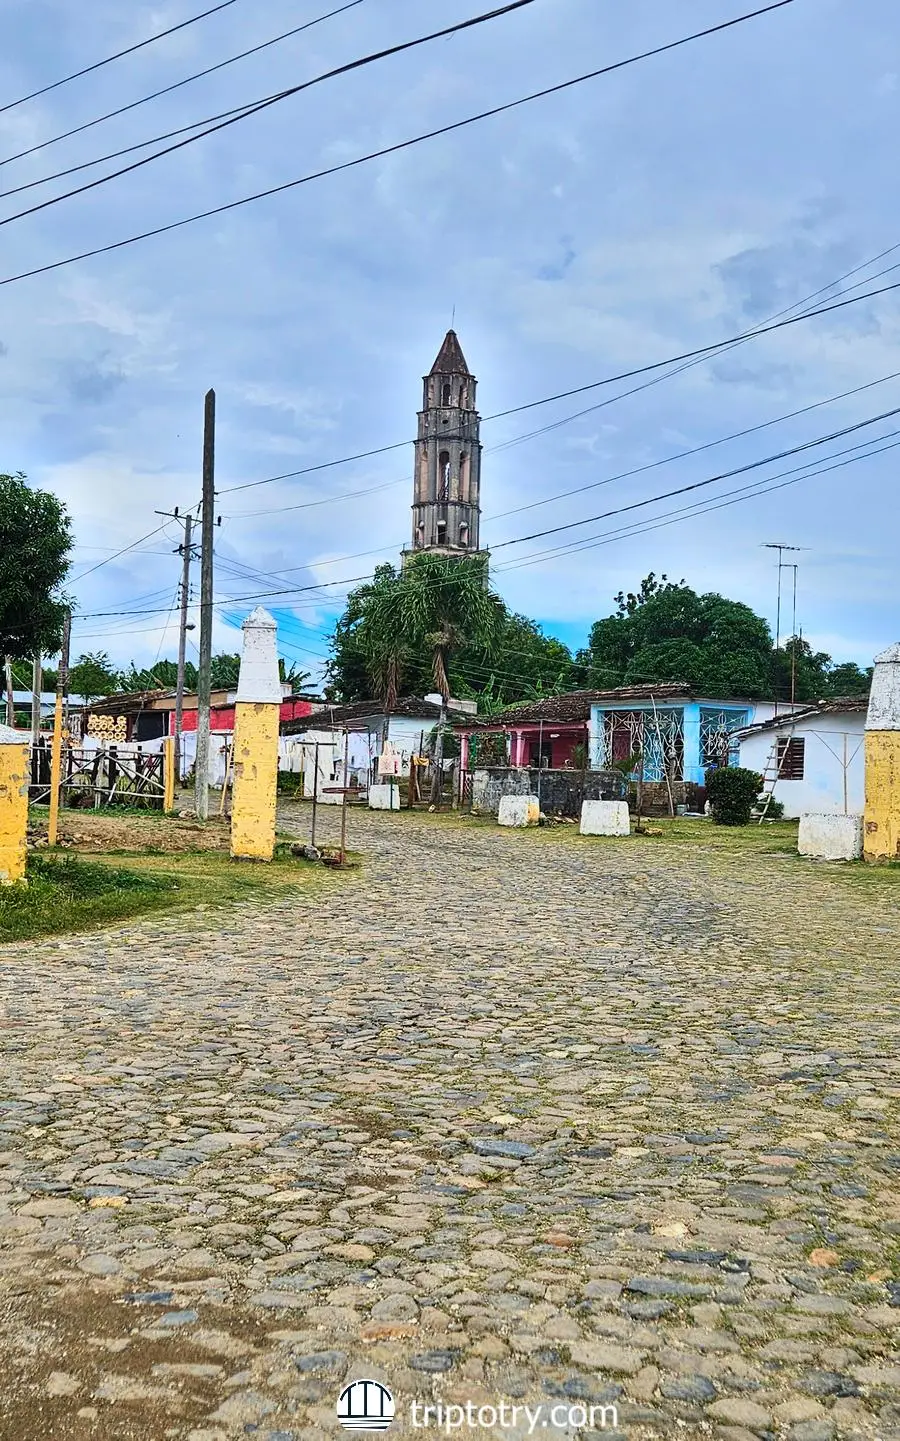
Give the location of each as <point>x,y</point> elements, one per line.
<point>450,359</point>
<point>447,486</point>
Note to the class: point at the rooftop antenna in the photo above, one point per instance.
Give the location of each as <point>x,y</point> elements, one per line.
<point>781,547</point>
<point>453,318</point>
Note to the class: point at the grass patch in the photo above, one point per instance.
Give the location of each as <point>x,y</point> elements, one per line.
<point>67,894</point>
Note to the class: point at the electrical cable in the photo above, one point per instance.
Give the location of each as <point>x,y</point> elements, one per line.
<point>698,484</point>
<point>377,154</point>
<point>759,488</point>
<point>703,350</point>
<point>130,50</point>
<point>155,95</point>
<point>124,551</point>
<point>724,475</point>
<point>254,107</point>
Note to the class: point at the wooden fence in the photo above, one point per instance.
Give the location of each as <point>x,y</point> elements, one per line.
<point>95,778</point>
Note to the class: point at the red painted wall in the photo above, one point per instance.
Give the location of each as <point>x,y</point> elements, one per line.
<point>221,718</point>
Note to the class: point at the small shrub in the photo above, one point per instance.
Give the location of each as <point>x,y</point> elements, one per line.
<point>772,809</point>
<point>290,783</point>
<point>732,793</point>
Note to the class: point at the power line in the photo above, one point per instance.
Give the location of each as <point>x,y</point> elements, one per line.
<point>685,512</point>
<point>130,50</point>
<point>124,551</point>
<point>386,150</point>
<point>155,95</point>
<point>703,350</point>
<point>310,504</point>
<point>762,487</point>
<point>698,484</point>
<point>634,505</point>
<point>254,107</point>
<point>358,579</point>
<point>694,450</point>
<point>700,360</point>
<point>577,490</point>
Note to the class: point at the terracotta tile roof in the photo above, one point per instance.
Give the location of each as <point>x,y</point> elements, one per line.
<point>576,705</point>
<point>833,705</point>
<point>126,701</point>
<point>341,715</point>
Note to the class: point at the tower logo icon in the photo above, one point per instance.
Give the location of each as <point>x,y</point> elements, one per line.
<point>365,1406</point>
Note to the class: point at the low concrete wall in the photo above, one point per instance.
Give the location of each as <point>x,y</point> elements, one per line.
<point>519,811</point>
<point>384,798</point>
<point>561,791</point>
<point>831,838</point>
<point>605,818</point>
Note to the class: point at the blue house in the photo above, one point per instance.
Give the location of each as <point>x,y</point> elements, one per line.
<point>679,734</point>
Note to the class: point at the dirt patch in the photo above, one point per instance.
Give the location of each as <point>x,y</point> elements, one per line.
<point>80,1364</point>
<point>92,831</point>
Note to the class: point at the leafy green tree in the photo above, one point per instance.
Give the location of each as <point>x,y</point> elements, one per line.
<point>816,677</point>
<point>93,675</point>
<point>223,672</point>
<point>446,604</point>
<point>667,632</point>
<point>162,676</point>
<point>293,675</point>
<point>799,670</point>
<point>522,664</point>
<point>35,541</point>
<point>402,626</point>
<point>848,679</point>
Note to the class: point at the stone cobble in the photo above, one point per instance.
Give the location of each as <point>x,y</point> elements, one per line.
<point>511,1117</point>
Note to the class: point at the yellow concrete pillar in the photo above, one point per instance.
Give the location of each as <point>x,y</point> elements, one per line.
<point>257,716</point>
<point>168,774</point>
<point>14,778</point>
<point>881,839</point>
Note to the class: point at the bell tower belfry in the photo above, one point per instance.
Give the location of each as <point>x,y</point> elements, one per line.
<point>446,509</point>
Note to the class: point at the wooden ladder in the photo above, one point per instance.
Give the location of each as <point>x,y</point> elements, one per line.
<point>772,774</point>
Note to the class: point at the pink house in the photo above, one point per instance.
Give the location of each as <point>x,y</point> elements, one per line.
<point>537,733</point>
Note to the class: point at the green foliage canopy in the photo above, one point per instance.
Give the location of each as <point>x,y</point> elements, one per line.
<point>382,645</point>
<point>35,541</point>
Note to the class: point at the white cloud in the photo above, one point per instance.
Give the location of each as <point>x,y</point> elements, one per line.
<point>619,222</point>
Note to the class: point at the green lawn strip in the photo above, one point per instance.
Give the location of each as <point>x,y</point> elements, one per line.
<point>65,893</point>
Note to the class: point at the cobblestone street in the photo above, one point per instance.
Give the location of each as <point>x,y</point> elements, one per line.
<point>569,1123</point>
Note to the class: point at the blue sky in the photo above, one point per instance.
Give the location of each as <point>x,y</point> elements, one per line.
<point>644,213</point>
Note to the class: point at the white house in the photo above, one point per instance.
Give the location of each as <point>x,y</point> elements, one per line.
<point>368,734</point>
<point>817,754</point>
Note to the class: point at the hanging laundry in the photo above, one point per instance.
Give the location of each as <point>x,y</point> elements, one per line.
<point>388,761</point>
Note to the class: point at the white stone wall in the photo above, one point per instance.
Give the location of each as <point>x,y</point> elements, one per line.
<point>822,789</point>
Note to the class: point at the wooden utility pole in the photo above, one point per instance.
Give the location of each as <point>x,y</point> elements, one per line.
<point>182,643</point>
<point>10,698</point>
<point>207,521</point>
<point>184,550</point>
<point>62,686</point>
<point>36,683</point>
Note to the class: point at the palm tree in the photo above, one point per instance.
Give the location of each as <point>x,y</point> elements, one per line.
<point>447,604</point>
<point>382,638</point>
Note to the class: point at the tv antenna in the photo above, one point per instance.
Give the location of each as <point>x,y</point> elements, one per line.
<point>781,547</point>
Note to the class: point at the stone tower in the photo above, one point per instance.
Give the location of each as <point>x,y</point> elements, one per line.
<point>446,511</point>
